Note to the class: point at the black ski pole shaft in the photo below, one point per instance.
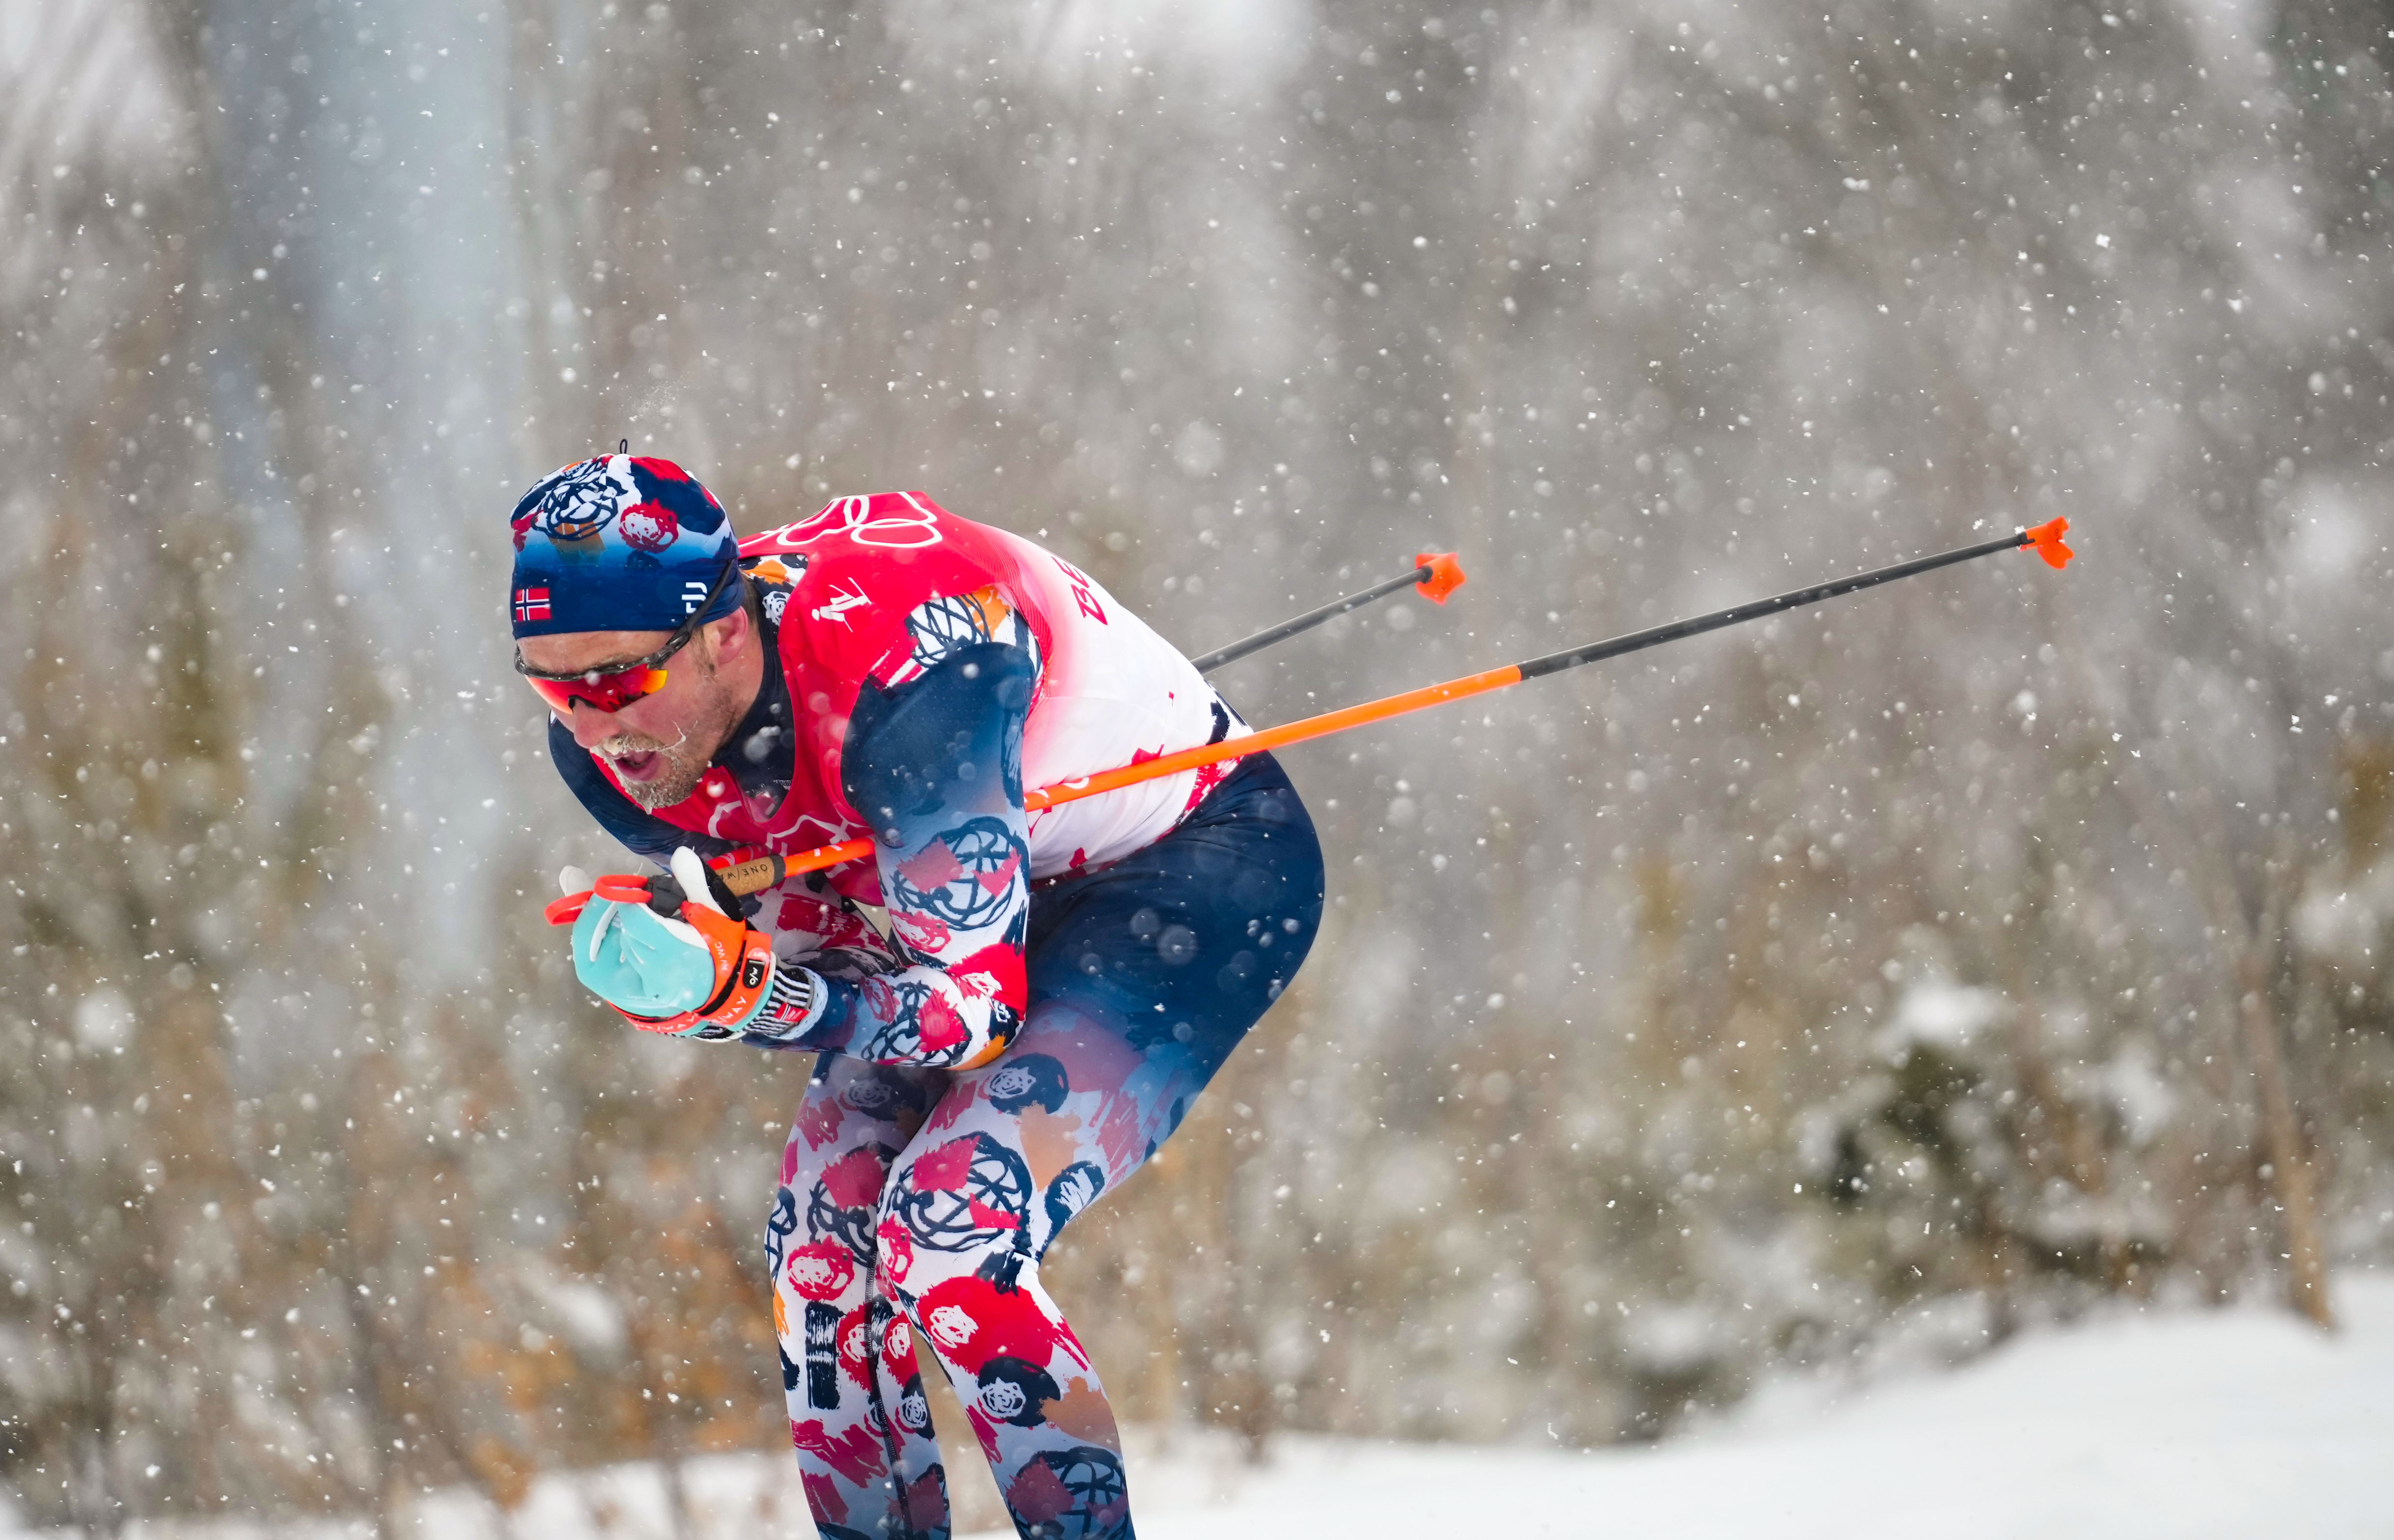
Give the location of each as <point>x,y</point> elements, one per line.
<point>2046,538</point>
<point>1436,573</point>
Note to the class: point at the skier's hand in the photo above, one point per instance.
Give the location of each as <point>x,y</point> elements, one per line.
<point>693,971</point>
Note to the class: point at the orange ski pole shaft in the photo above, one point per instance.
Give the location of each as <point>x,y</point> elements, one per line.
<point>755,874</point>
<point>763,871</point>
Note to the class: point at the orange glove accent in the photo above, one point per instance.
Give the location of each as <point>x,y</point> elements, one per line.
<point>743,956</point>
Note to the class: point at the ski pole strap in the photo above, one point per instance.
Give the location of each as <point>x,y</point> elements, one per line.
<point>1437,574</point>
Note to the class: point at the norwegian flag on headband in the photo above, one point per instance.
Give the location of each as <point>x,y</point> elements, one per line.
<point>620,542</point>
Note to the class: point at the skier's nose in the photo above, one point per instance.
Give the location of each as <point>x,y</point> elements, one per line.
<point>593,726</point>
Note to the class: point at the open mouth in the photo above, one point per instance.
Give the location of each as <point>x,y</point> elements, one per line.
<point>641,765</point>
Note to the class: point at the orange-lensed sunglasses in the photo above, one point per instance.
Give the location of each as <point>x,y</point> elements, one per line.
<point>614,689</point>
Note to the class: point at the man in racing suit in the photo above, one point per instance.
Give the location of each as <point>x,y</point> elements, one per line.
<point>1052,989</point>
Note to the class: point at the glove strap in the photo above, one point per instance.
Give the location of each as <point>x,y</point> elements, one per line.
<point>794,1002</point>
<point>744,965</point>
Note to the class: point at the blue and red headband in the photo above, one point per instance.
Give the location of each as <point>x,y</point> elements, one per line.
<point>620,543</point>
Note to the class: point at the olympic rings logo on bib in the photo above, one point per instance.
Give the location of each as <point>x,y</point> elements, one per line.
<point>888,520</point>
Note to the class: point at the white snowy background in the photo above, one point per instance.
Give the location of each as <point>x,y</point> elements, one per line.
<point>1984,975</point>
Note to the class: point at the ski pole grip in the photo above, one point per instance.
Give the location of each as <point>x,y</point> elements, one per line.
<point>756,875</point>
<point>753,876</point>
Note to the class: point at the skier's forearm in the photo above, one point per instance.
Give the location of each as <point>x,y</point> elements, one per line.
<point>924,1016</point>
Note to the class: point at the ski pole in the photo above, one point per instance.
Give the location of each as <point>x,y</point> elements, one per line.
<point>756,874</point>
<point>1437,574</point>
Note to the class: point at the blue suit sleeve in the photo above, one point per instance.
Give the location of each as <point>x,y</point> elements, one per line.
<point>935,764</point>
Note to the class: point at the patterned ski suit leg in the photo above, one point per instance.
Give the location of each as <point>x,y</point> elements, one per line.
<point>1143,977</point>
<point>935,759</point>
<point>861,1427</point>
<point>1053,1045</point>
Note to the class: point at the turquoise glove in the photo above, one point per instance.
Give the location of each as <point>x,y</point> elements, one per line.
<point>640,962</point>
<point>707,974</point>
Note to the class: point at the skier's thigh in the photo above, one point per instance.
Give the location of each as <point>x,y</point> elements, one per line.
<point>1015,1150</point>
<point>851,1121</point>
<point>1184,945</point>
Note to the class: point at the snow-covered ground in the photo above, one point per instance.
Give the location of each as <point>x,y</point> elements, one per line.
<point>2229,1424</point>
<point>2235,1424</point>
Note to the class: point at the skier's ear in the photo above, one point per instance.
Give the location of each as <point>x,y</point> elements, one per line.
<point>726,638</point>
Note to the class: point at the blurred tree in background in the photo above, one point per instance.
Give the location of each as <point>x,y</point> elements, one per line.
<point>1874,981</point>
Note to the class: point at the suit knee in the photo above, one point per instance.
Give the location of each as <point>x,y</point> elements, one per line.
<point>960,1207</point>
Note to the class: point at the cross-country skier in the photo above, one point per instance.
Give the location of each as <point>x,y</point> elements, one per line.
<point>1051,993</point>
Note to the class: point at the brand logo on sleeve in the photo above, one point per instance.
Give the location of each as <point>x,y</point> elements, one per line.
<point>840,605</point>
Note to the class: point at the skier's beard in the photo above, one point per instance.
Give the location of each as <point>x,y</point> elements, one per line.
<point>683,762</point>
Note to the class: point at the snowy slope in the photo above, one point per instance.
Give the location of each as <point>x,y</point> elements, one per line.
<point>2229,1425</point>
<point>2219,1425</point>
